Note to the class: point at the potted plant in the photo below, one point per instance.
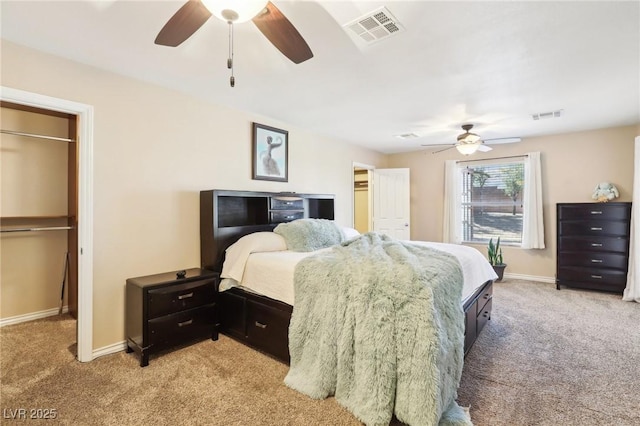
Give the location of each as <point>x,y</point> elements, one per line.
<point>494,253</point>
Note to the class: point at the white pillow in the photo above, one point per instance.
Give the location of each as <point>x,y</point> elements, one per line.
<point>350,232</point>
<point>238,252</point>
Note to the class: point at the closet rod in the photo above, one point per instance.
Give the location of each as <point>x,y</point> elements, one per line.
<point>48,228</point>
<point>33,135</point>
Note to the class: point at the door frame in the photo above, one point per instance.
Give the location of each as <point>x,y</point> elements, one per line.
<point>353,197</point>
<point>85,204</point>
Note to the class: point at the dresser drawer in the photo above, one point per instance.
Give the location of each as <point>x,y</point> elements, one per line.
<point>470,327</point>
<point>232,314</point>
<point>182,326</point>
<point>593,244</point>
<point>598,260</point>
<point>484,298</point>
<point>593,275</point>
<point>600,211</point>
<point>174,298</point>
<point>286,203</point>
<point>484,315</point>
<point>285,216</point>
<point>593,228</point>
<point>268,329</point>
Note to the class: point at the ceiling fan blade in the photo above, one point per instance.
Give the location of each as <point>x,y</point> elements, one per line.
<point>501,140</point>
<point>484,148</point>
<point>282,34</point>
<point>186,21</point>
<point>442,150</point>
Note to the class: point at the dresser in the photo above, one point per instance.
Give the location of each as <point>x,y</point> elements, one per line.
<point>593,245</point>
<point>170,309</point>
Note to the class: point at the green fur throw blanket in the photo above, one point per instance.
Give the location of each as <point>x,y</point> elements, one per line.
<point>378,323</point>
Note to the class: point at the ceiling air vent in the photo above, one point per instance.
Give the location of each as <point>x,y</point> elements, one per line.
<point>407,136</point>
<point>373,26</point>
<point>545,115</point>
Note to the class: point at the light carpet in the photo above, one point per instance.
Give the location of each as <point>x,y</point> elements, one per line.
<point>547,357</point>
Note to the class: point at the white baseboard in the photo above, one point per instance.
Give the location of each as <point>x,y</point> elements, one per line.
<point>32,316</point>
<point>109,349</point>
<point>550,280</point>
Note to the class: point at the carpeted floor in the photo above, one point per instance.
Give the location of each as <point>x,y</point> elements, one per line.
<point>547,357</point>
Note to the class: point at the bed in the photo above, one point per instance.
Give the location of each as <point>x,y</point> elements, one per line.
<point>256,303</point>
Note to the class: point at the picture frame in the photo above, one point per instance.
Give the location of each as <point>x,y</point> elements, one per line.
<point>270,153</point>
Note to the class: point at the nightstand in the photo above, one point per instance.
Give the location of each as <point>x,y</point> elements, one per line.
<point>170,309</point>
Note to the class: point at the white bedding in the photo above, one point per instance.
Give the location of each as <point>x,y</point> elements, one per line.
<point>271,273</point>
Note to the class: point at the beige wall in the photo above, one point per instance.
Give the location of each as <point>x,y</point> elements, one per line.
<point>572,165</point>
<point>33,183</point>
<point>154,150</point>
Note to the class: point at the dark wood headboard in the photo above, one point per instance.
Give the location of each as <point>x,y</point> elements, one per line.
<point>227,215</point>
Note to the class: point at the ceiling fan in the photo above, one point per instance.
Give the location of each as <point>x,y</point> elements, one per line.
<point>467,143</point>
<point>264,14</point>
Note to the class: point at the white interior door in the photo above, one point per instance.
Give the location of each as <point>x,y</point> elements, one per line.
<point>391,203</point>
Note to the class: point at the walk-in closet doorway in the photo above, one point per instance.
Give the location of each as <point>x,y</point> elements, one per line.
<point>77,220</point>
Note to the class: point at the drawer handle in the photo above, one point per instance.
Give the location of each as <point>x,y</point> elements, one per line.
<point>488,296</point>
<point>599,277</point>
<point>185,323</point>
<point>596,211</point>
<point>261,325</point>
<point>596,260</point>
<point>485,314</point>
<point>185,296</point>
<point>596,228</point>
<point>288,217</point>
<point>596,244</point>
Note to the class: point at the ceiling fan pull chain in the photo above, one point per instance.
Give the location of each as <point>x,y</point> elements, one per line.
<point>232,80</point>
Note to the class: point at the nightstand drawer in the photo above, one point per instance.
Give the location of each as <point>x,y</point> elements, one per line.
<point>174,298</point>
<point>268,328</point>
<point>182,326</point>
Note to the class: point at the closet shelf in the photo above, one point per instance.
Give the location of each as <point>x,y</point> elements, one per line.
<point>34,135</point>
<point>36,217</point>
<point>35,229</point>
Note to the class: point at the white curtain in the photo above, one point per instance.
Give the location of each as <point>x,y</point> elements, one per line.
<point>632,292</point>
<point>451,222</point>
<point>532,218</point>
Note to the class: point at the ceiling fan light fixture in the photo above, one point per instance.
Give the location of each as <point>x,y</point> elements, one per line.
<point>468,138</point>
<point>468,148</point>
<point>235,11</point>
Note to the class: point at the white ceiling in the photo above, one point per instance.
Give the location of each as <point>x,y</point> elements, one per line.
<point>492,64</point>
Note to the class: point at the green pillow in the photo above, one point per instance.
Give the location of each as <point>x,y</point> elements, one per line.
<point>310,234</point>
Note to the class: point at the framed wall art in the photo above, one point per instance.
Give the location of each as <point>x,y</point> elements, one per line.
<point>270,153</point>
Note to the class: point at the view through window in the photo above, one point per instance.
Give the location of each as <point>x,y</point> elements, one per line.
<point>492,202</point>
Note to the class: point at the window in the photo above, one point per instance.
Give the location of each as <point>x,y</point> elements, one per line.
<point>492,201</point>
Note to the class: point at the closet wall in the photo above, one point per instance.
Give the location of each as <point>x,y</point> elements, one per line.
<point>38,190</point>
<point>361,200</point>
